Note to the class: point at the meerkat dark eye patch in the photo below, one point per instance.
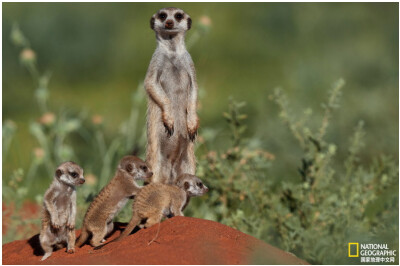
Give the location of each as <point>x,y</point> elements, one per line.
<point>144,168</point>
<point>200,185</point>
<point>58,173</point>
<point>186,185</point>
<point>162,16</point>
<point>73,174</point>
<point>129,168</point>
<point>178,16</point>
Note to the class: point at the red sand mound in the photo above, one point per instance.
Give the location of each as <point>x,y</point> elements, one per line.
<point>181,240</point>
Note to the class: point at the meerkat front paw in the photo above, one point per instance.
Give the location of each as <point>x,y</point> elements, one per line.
<point>192,126</point>
<point>168,123</point>
<point>56,224</point>
<point>70,226</point>
<point>71,250</point>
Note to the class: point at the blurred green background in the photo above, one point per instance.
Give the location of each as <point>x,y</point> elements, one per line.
<point>98,55</point>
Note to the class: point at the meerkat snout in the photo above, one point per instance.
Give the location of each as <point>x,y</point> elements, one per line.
<point>169,24</point>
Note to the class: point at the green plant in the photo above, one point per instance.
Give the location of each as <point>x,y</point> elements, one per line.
<point>317,215</point>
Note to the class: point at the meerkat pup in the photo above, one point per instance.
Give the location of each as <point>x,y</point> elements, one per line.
<point>157,200</point>
<point>59,209</point>
<point>98,220</point>
<point>171,86</point>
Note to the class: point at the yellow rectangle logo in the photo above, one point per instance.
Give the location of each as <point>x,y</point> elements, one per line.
<point>351,254</point>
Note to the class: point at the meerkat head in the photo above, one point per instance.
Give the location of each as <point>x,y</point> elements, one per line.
<point>135,167</point>
<point>70,173</point>
<point>192,185</point>
<point>170,20</point>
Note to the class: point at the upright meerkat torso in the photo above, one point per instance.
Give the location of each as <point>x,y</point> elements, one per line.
<point>59,209</point>
<point>98,220</point>
<point>171,85</point>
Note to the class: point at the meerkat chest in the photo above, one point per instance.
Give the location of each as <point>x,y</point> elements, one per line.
<point>63,201</point>
<point>174,76</point>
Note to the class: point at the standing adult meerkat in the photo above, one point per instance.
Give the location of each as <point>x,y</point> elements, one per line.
<point>59,209</point>
<point>157,200</point>
<point>171,86</point>
<point>98,220</point>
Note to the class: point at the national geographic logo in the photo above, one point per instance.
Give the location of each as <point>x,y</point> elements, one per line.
<point>372,253</point>
<point>353,250</point>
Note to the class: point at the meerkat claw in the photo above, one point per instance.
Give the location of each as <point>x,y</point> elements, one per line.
<point>169,130</point>
<point>192,136</point>
<point>56,226</point>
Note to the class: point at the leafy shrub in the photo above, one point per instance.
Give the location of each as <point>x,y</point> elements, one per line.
<point>315,217</point>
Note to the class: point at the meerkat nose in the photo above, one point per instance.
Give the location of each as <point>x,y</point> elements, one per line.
<point>81,181</point>
<point>169,24</point>
<point>206,189</point>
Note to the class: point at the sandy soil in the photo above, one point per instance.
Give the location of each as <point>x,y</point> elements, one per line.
<point>181,240</point>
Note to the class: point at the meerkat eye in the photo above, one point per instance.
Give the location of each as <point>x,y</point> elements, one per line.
<point>74,174</point>
<point>144,168</point>
<point>178,16</point>
<point>200,185</point>
<point>162,16</point>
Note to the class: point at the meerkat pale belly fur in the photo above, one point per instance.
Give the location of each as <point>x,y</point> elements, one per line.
<point>157,200</point>
<point>98,220</point>
<point>59,209</point>
<point>171,86</point>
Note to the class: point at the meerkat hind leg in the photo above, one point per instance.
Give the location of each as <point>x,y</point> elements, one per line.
<point>46,243</point>
<point>71,241</point>
<point>176,209</point>
<point>97,238</point>
<point>48,250</point>
<point>152,220</point>
<point>110,228</point>
<point>188,162</point>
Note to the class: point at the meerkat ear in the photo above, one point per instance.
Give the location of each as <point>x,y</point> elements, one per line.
<point>186,185</point>
<point>129,167</point>
<point>59,173</point>
<point>152,20</point>
<point>189,23</point>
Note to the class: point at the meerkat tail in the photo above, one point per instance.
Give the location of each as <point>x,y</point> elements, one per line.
<point>83,237</point>
<point>158,231</point>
